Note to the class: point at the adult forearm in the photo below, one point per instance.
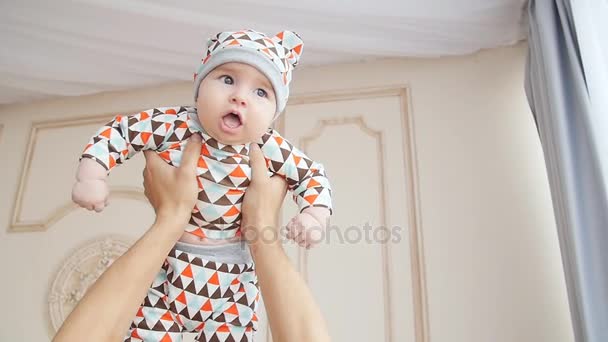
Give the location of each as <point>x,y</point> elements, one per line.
<point>105,312</point>
<point>292,310</point>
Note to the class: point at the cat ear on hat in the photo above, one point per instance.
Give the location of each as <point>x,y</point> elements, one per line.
<point>293,44</point>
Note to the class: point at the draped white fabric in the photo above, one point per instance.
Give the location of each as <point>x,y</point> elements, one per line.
<point>63,47</point>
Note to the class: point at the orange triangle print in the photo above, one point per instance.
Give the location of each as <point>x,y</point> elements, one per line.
<point>143,116</point>
<point>201,163</point>
<point>140,312</point>
<point>207,306</point>
<point>311,198</point>
<point>187,272</point>
<point>112,162</point>
<point>279,140</point>
<point>233,211</point>
<point>166,338</point>
<point>223,328</point>
<point>181,298</point>
<point>106,133</point>
<point>165,155</point>
<point>312,183</point>
<point>199,233</point>
<point>233,310</point>
<point>280,35</point>
<point>205,151</point>
<point>145,136</point>
<point>214,280</point>
<point>167,316</point>
<point>135,334</point>
<point>238,172</point>
<point>170,111</point>
<point>298,49</point>
<point>234,42</point>
<point>297,159</point>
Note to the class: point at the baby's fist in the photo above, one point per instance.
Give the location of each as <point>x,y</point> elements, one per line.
<point>91,194</point>
<point>305,230</point>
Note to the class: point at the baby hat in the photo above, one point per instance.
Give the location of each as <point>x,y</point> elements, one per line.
<point>275,57</point>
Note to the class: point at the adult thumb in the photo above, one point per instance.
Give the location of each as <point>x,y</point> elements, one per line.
<point>192,152</point>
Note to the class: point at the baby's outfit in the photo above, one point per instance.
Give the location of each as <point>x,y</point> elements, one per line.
<point>192,289</point>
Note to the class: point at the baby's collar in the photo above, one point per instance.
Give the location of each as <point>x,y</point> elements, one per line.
<point>195,126</point>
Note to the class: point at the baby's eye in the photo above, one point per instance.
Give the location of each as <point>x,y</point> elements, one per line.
<point>261,92</point>
<point>227,79</point>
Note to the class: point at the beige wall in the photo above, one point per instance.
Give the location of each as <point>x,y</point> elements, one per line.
<point>492,264</point>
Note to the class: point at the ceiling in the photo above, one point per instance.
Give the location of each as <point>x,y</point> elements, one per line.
<point>54,48</point>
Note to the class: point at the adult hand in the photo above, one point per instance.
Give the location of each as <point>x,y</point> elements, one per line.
<point>263,200</point>
<point>172,191</point>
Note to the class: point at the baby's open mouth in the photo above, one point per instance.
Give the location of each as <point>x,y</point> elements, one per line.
<point>232,120</point>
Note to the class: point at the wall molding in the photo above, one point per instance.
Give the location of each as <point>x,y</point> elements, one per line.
<point>419,289</point>
<point>17,224</point>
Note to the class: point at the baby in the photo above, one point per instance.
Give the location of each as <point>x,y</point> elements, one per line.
<point>207,284</point>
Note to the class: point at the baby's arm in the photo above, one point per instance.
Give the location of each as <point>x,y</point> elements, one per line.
<point>307,181</point>
<point>115,142</point>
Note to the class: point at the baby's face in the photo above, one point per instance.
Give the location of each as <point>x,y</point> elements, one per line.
<point>236,103</point>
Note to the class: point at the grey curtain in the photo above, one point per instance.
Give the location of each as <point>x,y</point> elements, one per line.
<point>567,88</point>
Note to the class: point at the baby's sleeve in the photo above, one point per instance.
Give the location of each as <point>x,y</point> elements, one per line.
<point>125,135</point>
<point>306,178</point>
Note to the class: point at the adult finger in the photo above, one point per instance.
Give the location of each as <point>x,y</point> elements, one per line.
<point>151,158</point>
<point>191,153</point>
<point>259,170</point>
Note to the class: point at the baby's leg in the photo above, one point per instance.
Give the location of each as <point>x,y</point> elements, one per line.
<point>154,321</point>
<point>236,319</point>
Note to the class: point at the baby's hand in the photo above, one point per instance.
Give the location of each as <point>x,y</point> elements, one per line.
<point>305,229</point>
<point>91,194</point>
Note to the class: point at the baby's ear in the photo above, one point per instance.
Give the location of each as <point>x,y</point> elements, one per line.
<point>293,45</point>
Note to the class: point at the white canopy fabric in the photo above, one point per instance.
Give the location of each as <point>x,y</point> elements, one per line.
<point>77,47</point>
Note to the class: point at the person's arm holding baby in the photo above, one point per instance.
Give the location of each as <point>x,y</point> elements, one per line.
<point>106,310</point>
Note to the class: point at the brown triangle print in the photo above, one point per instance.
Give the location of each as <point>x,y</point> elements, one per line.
<point>276,166</point>
<point>183,257</point>
<point>243,300</point>
<point>185,313</point>
<point>216,295</point>
<point>158,326</point>
<point>198,317</point>
<point>158,139</point>
<point>204,292</point>
<point>178,283</point>
<point>191,288</point>
<point>285,153</point>
<point>197,261</point>
<point>301,173</point>
<point>220,318</point>
<point>156,124</point>
<point>143,325</point>
<point>223,201</point>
